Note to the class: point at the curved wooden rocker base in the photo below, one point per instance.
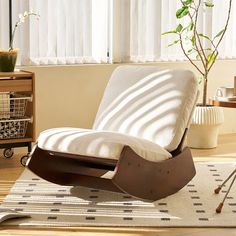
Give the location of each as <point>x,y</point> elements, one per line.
<point>133,175</point>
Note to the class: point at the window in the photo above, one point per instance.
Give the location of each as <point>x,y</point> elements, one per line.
<point>68,32</point>
<point>101,31</point>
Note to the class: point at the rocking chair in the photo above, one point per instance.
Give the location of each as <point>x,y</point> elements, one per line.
<point>136,143</point>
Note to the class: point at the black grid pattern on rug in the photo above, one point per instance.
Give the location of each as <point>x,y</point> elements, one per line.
<point>54,205</point>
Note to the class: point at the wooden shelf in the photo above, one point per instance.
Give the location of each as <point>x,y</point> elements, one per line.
<point>16,85</point>
<point>23,82</point>
<point>16,74</point>
<point>229,104</point>
<point>16,140</point>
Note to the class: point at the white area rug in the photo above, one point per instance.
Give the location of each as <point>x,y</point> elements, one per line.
<point>193,206</point>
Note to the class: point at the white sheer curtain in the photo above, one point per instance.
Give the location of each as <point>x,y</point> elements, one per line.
<point>138,25</point>
<point>84,31</point>
<point>4,24</point>
<point>68,32</point>
<point>228,45</point>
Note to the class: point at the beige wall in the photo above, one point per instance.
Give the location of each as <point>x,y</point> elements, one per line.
<point>70,95</point>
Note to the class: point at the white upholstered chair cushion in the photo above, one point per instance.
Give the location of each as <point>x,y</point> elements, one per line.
<point>104,144</point>
<point>148,102</point>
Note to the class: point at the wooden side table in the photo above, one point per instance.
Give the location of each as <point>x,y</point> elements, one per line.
<point>15,111</point>
<point>229,104</point>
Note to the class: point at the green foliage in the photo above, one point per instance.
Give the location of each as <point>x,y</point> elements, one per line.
<point>219,34</point>
<point>183,11</point>
<point>175,42</point>
<point>209,4</point>
<point>169,32</point>
<point>192,42</point>
<point>179,28</point>
<point>204,36</point>
<point>211,58</point>
<point>190,26</point>
<point>187,2</point>
<point>199,79</point>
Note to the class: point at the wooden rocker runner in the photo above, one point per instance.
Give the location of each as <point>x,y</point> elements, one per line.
<point>136,143</point>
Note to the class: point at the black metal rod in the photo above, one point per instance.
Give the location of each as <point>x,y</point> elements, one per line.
<point>10,22</point>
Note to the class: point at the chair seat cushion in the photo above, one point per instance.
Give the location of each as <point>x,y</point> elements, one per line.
<point>103,144</point>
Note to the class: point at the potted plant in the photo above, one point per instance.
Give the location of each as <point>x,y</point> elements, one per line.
<point>204,127</point>
<point>8,57</point>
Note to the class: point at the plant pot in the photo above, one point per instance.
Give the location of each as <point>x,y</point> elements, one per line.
<point>8,60</point>
<point>204,128</point>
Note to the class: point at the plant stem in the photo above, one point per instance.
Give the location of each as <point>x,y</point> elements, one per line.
<point>191,61</point>
<point>12,38</point>
<point>204,100</point>
<point>193,19</point>
<point>17,24</point>
<point>198,38</point>
<point>215,52</point>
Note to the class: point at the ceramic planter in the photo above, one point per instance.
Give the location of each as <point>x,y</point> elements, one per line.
<point>204,128</point>
<point>8,60</point>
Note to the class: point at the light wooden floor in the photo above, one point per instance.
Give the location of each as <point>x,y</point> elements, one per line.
<point>10,169</point>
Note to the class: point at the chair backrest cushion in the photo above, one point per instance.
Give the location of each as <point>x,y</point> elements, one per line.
<point>148,102</point>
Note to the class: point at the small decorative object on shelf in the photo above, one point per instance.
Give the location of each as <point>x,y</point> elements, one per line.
<point>8,60</point>
<point>17,111</point>
<point>225,94</point>
<point>8,57</point>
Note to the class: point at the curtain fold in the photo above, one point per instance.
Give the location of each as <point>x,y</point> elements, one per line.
<point>69,32</point>
<point>228,45</point>
<point>4,22</point>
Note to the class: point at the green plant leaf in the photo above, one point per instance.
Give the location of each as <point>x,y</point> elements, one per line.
<point>204,36</point>
<point>190,27</point>
<point>211,58</point>
<point>175,42</point>
<point>219,34</point>
<point>183,11</point>
<point>209,4</point>
<point>179,28</point>
<point>187,2</point>
<point>193,40</point>
<point>169,32</point>
<point>197,57</point>
<point>200,79</point>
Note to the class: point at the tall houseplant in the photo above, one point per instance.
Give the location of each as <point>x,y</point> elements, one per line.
<point>198,46</point>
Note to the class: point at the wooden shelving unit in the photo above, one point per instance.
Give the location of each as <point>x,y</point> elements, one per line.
<point>22,82</point>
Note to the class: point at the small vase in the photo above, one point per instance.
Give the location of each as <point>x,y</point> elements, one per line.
<point>8,60</point>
